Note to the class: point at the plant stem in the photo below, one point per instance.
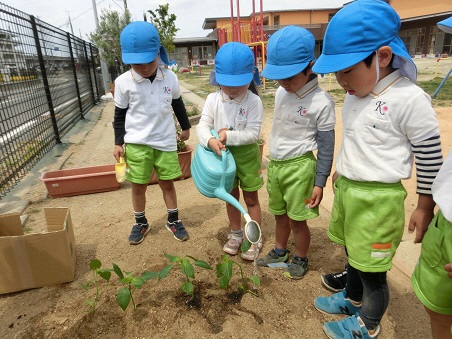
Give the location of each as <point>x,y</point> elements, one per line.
<point>131,297</point>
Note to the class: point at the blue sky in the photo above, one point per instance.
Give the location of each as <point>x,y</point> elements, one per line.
<point>190,13</point>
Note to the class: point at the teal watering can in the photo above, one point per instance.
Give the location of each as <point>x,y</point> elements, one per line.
<point>214,177</point>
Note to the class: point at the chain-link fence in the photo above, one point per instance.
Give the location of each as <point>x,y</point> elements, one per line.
<point>48,80</point>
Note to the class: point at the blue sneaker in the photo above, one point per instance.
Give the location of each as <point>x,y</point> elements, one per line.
<point>349,328</point>
<point>138,233</point>
<point>178,230</point>
<point>336,304</point>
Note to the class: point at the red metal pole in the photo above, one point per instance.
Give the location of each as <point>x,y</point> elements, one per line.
<point>239,37</point>
<point>262,25</point>
<point>232,21</point>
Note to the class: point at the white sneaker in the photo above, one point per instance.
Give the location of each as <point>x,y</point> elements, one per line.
<point>253,252</point>
<point>233,245</point>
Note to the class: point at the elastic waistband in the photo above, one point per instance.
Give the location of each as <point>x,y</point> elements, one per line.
<point>371,184</point>
<point>242,148</point>
<point>300,158</point>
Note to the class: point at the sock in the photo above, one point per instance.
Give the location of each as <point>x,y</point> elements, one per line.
<point>173,215</point>
<point>305,259</point>
<point>280,252</point>
<point>237,233</point>
<point>140,218</point>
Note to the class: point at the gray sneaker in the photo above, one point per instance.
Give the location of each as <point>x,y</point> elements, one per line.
<point>272,258</point>
<point>297,269</point>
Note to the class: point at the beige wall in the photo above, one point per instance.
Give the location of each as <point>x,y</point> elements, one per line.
<point>299,17</point>
<point>415,8</point>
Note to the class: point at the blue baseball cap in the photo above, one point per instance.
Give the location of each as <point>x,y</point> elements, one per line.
<point>446,25</point>
<point>234,64</point>
<point>140,43</point>
<point>289,51</point>
<point>357,30</point>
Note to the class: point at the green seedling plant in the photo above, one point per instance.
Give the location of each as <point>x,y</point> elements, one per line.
<point>95,266</point>
<point>187,269</point>
<point>225,270</point>
<point>130,284</point>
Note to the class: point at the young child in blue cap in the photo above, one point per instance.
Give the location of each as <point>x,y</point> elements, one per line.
<point>431,277</point>
<point>145,133</point>
<point>303,122</point>
<point>237,114</point>
<point>387,121</point>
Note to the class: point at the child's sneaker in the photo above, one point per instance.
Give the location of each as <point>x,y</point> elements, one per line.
<point>351,327</point>
<point>337,303</point>
<point>272,258</point>
<point>233,244</point>
<point>253,252</point>
<point>297,269</point>
<point>335,282</point>
<point>138,233</point>
<point>178,230</point>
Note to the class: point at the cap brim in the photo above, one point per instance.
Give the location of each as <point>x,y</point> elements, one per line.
<point>445,25</point>
<point>402,60</point>
<point>138,58</point>
<point>163,55</point>
<point>337,62</point>
<point>278,72</point>
<point>234,80</point>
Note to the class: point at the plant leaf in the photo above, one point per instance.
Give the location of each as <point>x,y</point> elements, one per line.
<point>137,282</point>
<point>245,246</point>
<point>165,271</point>
<point>89,303</point>
<point>94,264</point>
<point>104,274</point>
<point>203,264</point>
<point>148,275</point>
<point>85,287</point>
<point>224,282</point>
<point>187,268</point>
<point>123,298</point>
<point>187,287</point>
<point>172,258</point>
<point>255,280</point>
<point>118,271</point>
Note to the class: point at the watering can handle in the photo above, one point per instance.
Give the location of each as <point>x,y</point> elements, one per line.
<point>224,159</point>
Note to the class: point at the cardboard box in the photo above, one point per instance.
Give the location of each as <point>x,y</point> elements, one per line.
<point>77,181</point>
<point>37,259</point>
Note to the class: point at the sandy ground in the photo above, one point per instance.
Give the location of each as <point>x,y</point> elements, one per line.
<point>102,222</point>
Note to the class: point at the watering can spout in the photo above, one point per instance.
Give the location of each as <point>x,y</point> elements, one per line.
<point>221,193</point>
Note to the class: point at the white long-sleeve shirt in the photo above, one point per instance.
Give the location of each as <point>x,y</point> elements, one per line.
<point>243,116</point>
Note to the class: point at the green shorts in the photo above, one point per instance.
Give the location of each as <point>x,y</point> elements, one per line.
<point>430,281</point>
<point>290,182</point>
<point>368,218</point>
<point>248,167</point>
<point>142,159</point>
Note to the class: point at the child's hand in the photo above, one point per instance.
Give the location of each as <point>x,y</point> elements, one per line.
<point>421,217</point>
<point>448,268</point>
<point>316,198</point>
<point>222,135</point>
<point>118,152</point>
<point>216,146</point>
<point>184,135</point>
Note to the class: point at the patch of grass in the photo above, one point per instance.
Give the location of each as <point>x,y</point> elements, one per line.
<point>444,97</point>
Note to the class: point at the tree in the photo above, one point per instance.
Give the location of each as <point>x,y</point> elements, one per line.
<point>165,24</point>
<point>106,35</point>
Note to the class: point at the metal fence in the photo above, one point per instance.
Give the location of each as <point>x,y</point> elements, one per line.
<point>48,81</point>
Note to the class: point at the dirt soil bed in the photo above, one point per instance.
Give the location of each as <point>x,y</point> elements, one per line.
<point>102,222</point>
